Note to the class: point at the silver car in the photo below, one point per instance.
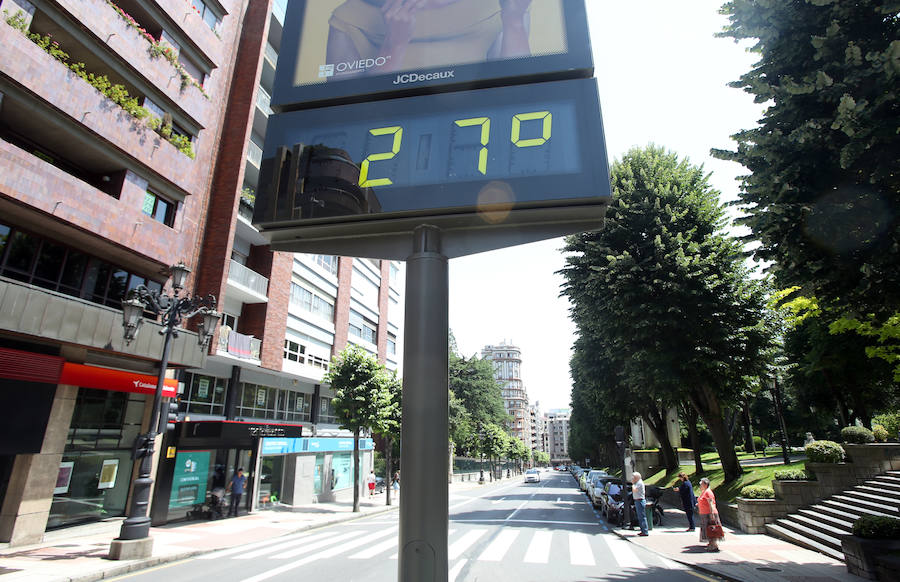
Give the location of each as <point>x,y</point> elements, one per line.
<point>532,476</point>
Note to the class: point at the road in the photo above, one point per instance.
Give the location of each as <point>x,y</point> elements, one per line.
<point>518,532</point>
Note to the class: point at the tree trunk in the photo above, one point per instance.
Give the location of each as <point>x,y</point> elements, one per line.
<point>356,471</point>
<point>690,419</point>
<point>707,405</point>
<point>842,412</point>
<point>656,420</point>
<point>749,445</point>
<point>779,409</point>
<point>388,474</point>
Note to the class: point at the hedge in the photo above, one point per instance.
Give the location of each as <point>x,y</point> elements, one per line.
<point>881,434</point>
<point>792,475</point>
<point>859,435</point>
<point>757,492</point>
<point>890,421</point>
<point>824,452</point>
<point>877,527</point>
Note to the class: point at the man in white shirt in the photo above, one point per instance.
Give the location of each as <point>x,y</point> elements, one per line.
<point>637,491</point>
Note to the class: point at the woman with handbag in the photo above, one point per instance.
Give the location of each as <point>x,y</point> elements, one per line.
<point>710,526</point>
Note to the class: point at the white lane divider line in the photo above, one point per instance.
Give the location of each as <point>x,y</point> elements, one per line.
<point>462,544</point>
<point>455,570</point>
<point>580,553</point>
<point>539,549</point>
<point>498,548</point>
<point>325,554</point>
<point>622,552</point>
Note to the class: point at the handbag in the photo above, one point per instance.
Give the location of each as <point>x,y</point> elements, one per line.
<point>714,531</point>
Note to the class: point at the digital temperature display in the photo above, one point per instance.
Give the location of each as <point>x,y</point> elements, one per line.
<point>542,142</point>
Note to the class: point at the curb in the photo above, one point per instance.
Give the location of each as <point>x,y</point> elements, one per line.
<point>151,562</point>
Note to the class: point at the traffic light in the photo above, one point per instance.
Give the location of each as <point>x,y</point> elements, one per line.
<point>172,414</point>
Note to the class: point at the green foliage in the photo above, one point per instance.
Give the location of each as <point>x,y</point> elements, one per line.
<point>248,195</point>
<point>792,475</point>
<point>857,435</point>
<point>877,527</point>
<point>115,92</point>
<point>663,305</point>
<point>760,443</point>
<point>886,335</point>
<point>541,458</point>
<point>880,433</point>
<point>475,396</point>
<point>821,193</point>
<point>739,449</point>
<point>890,421</point>
<point>360,385</point>
<point>757,492</point>
<point>824,452</point>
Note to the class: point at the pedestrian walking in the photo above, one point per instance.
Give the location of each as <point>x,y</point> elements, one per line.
<point>709,517</point>
<point>685,490</point>
<point>396,481</point>
<point>640,501</point>
<point>370,481</point>
<point>236,486</point>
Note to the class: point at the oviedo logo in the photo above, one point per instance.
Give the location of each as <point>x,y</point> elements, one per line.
<point>359,66</point>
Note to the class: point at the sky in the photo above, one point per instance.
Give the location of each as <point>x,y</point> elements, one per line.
<point>662,77</point>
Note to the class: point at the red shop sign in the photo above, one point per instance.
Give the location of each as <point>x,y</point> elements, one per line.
<point>117,380</point>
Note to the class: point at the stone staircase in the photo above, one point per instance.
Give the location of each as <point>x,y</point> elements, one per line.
<point>819,527</point>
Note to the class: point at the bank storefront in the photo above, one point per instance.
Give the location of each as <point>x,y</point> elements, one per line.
<point>301,471</point>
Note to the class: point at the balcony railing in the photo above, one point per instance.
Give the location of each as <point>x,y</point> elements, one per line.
<point>238,273</point>
<point>263,101</point>
<point>254,154</point>
<point>238,344</point>
<point>271,54</point>
<point>279,7</point>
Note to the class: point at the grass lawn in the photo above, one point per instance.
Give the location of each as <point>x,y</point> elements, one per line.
<point>725,493</point>
<point>714,457</point>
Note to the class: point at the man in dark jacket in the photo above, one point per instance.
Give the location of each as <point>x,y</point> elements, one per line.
<point>686,491</point>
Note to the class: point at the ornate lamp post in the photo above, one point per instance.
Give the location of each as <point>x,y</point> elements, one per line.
<point>174,309</point>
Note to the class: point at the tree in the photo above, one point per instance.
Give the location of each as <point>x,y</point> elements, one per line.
<point>387,424</point>
<point>472,382</point>
<point>821,197</point>
<point>662,298</point>
<point>361,396</point>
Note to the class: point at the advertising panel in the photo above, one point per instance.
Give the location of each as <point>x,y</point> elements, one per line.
<point>189,480</point>
<point>349,49</point>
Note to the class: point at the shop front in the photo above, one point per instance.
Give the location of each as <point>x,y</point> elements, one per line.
<point>198,460</point>
<point>300,471</point>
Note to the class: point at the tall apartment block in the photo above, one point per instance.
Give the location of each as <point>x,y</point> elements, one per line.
<point>130,134</point>
<point>507,362</point>
<point>558,435</point>
<point>538,428</point>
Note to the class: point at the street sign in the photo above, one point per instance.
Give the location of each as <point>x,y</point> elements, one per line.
<point>340,51</point>
<point>515,160</point>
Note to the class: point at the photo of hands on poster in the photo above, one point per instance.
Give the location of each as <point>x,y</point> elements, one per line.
<point>345,39</point>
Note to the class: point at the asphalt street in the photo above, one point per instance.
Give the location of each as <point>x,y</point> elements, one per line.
<point>519,532</point>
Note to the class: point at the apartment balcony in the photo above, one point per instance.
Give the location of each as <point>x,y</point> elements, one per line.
<point>246,284</point>
<point>237,345</point>
<point>199,33</point>
<point>262,112</point>
<point>110,29</point>
<point>279,8</point>
<point>36,73</point>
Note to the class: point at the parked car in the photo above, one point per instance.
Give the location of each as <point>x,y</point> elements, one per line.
<point>611,498</point>
<point>595,489</point>
<point>589,478</point>
<point>379,484</point>
<point>532,476</point>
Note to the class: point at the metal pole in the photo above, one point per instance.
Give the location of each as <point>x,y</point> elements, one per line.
<point>425,430</point>
<point>137,525</point>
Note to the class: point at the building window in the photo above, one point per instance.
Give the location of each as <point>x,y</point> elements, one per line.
<point>395,271</point>
<point>326,410</point>
<point>327,262</point>
<point>211,19</point>
<point>296,352</point>
<point>159,208</point>
<point>362,327</point>
<point>391,344</point>
<point>204,394</point>
<point>309,301</point>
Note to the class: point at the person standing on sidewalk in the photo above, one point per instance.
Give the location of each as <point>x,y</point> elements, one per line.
<point>640,502</point>
<point>686,490</point>
<point>238,482</point>
<point>709,514</point>
<point>370,481</point>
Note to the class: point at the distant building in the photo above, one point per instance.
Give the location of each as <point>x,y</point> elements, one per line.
<point>538,428</point>
<point>507,361</point>
<point>557,421</point>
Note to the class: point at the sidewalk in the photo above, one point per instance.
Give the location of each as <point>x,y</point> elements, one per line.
<point>743,557</point>
<point>78,554</point>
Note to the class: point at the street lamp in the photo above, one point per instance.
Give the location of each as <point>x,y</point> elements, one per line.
<point>174,309</point>
<point>481,451</point>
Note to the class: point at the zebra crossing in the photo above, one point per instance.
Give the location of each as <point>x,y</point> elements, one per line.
<point>470,544</point>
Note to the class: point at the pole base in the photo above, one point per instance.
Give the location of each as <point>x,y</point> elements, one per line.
<point>130,549</point>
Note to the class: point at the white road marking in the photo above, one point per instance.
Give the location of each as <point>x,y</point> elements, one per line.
<point>462,544</point>
<point>539,549</point>
<point>375,550</point>
<point>288,545</point>
<point>498,548</point>
<point>455,570</point>
<point>580,550</point>
<point>305,549</point>
<point>397,555</point>
<point>622,552</point>
<point>507,520</point>
<point>524,503</point>
<point>329,553</point>
<point>672,565</point>
<point>244,547</point>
